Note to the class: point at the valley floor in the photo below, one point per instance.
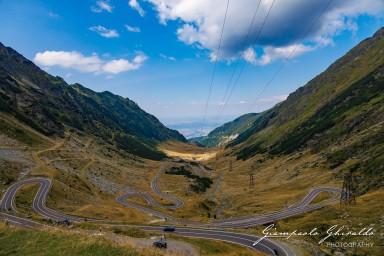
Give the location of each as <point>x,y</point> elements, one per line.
<point>89,174</point>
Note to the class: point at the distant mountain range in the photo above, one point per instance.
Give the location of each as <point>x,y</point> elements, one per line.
<point>338,114</point>
<point>51,106</point>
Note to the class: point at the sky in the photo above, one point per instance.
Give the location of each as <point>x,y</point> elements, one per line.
<point>176,59</point>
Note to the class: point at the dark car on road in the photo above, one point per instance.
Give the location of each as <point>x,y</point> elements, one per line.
<point>169,228</point>
<point>160,244</point>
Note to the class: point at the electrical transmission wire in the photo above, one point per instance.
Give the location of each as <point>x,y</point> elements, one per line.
<point>289,56</point>
<point>214,68</point>
<point>238,60</point>
<point>245,62</point>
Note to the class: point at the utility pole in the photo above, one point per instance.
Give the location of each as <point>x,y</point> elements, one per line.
<point>230,166</point>
<point>251,181</point>
<point>348,192</point>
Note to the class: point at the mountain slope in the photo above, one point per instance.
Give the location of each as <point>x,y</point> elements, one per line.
<point>339,114</point>
<point>49,105</point>
<point>228,131</point>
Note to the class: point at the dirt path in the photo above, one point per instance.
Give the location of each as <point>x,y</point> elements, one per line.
<point>43,168</point>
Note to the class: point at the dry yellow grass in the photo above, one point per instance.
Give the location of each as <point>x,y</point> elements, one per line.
<point>72,191</point>
<point>187,151</point>
<point>367,213</point>
<point>279,182</point>
<point>17,241</point>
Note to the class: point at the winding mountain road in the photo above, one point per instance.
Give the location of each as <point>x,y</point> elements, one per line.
<point>208,231</point>
<point>266,246</point>
<point>177,202</point>
<point>148,198</point>
<point>155,188</point>
<point>302,207</point>
<point>242,222</point>
<point>7,203</point>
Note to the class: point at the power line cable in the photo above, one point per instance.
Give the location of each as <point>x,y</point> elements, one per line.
<point>238,60</point>
<point>214,68</point>
<point>289,56</point>
<point>245,62</point>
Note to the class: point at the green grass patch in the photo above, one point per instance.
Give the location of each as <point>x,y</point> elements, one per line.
<point>132,232</point>
<point>19,134</point>
<point>14,241</point>
<point>211,247</point>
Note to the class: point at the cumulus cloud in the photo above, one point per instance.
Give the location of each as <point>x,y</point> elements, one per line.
<point>249,55</point>
<point>200,23</point>
<point>91,64</point>
<point>104,32</point>
<point>73,60</point>
<point>135,5</point>
<point>273,53</point>
<point>102,6</point>
<point>122,65</point>
<point>132,29</point>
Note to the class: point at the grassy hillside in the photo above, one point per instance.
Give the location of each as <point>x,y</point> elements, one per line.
<point>16,241</point>
<point>338,114</point>
<point>50,106</point>
<point>228,131</point>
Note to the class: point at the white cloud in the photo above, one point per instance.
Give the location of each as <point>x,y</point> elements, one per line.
<point>73,60</point>
<point>108,33</point>
<point>242,102</point>
<point>167,57</point>
<point>102,6</point>
<point>199,23</point>
<point>118,66</point>
<point>91,64</point>
<point>135,5</point>
<point>140,58</point>
<point>132,29</point>
<point>249,55</point>
<point>273,53</point>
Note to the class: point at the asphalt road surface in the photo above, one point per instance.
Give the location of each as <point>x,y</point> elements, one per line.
<point>155,188</point>
<point>266,246</point>
<point>7,203</point>
<point>210,231</point>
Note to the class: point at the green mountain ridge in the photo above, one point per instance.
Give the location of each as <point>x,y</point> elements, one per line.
<point>339,115</point>
<point>228,131</point>
<point>51,106</point>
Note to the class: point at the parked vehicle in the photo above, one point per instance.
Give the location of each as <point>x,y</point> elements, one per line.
<point>169,228</point>
<point>160,244</point>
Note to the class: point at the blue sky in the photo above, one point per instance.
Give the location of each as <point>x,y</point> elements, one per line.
<point>161,53</point>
